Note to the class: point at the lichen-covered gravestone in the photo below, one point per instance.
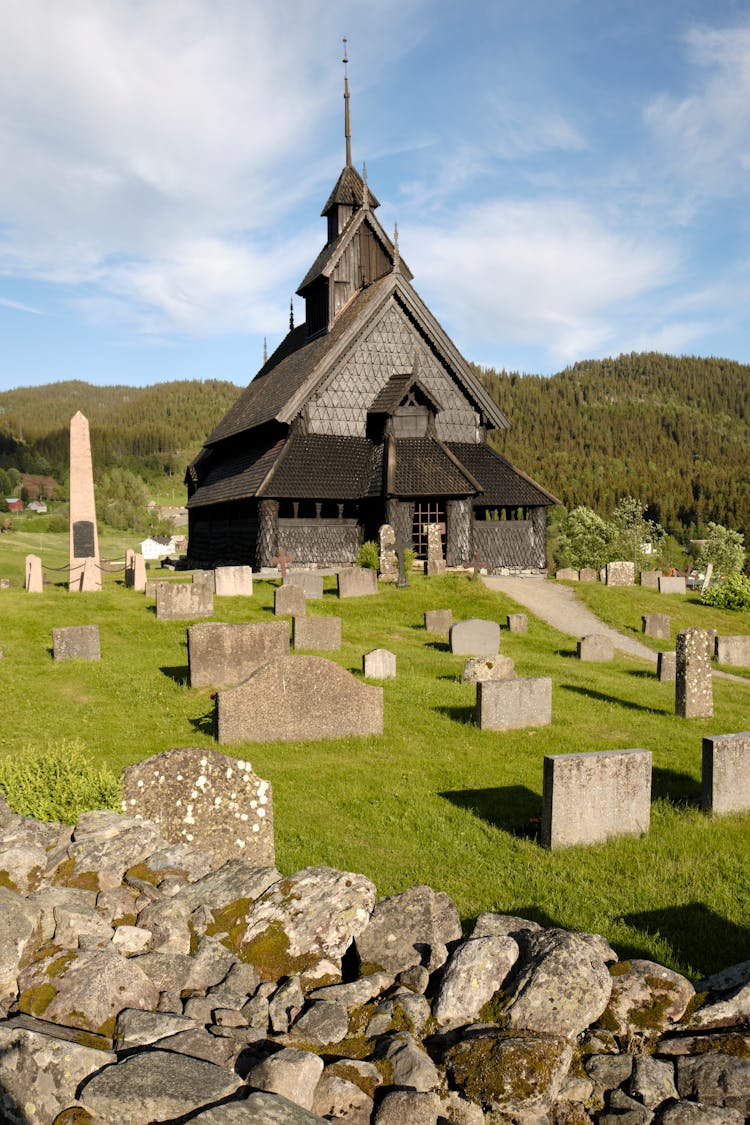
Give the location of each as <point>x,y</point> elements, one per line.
<point>222,655</point>
<point>435,559</point>
<point>666,667</point>
<point>590,797</point>
<point>207,800</point>
<point>595,647</point>
<point>76,642</point>
<point>693,686</point>
<point>514,704</point>
<point>317,634</point>
<point>438,620</point>
<point>180,601</point>
<point>518,623</point>
<point>726,773</point>
<point>620,573</point>
<point>388,560</point>
<point>289,601</point>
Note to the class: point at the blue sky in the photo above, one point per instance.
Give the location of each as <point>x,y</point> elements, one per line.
<point>569,177</point>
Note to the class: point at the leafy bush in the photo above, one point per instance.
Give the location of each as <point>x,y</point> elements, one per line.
<point>725,549</point>
<point>734,593</point>
<point>57,783</point>
<point>369,555</point>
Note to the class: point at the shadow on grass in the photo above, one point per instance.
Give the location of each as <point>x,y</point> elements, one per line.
<point>204,724</point>
<point>698,935</point>
<point>591,694</point>
<point>512,808</point>
<point>641,673</point>
<point>677,788</point>
<point>180,673</point>
<point>441,646</point>
<point>458,714</point>
<point>566,653</point>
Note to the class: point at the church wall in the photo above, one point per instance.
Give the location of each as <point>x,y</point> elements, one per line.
<point>223,535</point>
<point>341,406</point>
<point>321,542</point>
<point>511,543</point>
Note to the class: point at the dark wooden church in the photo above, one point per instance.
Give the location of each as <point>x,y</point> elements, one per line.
<point>365,414</point>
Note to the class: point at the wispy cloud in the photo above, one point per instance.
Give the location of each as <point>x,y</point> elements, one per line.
<point>18,306</point>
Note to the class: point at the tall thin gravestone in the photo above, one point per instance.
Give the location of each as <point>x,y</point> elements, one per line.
<point>693,688</point>
<point>388,560</point>
<point>33,580</point>
<point>84,541</point>
<point>435,560</point>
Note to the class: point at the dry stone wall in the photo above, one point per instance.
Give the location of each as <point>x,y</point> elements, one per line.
<point>142,982</point>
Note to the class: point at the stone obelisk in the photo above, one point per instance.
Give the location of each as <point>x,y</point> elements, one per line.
<point>84,541</point>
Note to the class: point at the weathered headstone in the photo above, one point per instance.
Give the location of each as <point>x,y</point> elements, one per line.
<point>595,647</point>
<point>650,579</point>
<point>567,574</point>
<point>475,637</point>
<point>672,584</point>
<point>435,558</point>
<point>591,797</point>
<point>33,581</point>
<point>233,581</point>
<point>90,579</point>
<point>666,667</point>
<point>206,579</point>
<point>317,634</point>
<point>206,800</point>
<point>733,650</point>
<point>438,620</point>
<point>620,573</point>
<point>518,623</point>
<point>656,625</point>
<point>180,601</point>
<point>514,704</point>
<point>309,580</point>
<point>693,687</point>
<point>298,698</point>
<point>357,582</point>
<point>725,784</point>
<point>380,664</point>
<point>138,574</point>
<point>289,601</point>
<point>388,560</point>
<point>223,655</point>
<point>588,574</point>
<point>481,668</point>
<point>76,642</point>
<point>84,539</point>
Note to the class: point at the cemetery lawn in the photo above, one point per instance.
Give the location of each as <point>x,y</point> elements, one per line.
<point>434,799</point>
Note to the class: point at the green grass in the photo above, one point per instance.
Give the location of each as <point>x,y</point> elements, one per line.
<point>434,800</point>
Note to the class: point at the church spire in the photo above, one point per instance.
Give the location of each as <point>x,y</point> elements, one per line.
<point>347,122</point>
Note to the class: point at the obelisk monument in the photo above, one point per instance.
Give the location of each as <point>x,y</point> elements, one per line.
<point>84,541</point>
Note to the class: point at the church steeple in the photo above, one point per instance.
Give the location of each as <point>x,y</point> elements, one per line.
<point>347,121</point>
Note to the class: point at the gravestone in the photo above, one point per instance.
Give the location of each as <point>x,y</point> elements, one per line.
<point>567,574</point>
<point>233,581</point>
<point>298,698</point>
<point>289,601</point>
<point>666,667</point>
<point>388,559</point>
<point>282,561</point>
<point>650,579</point>
<point>672,584</point>
<point>308,580</point>
<point>152,584</point>
<point>206,579</point>
<point>205,800</point>
<point>725,786</point>
<point>435,559</point>
<point>84,540</point>
<point>482,668</point>
<point>90,578</point>
<point>518,623</point>
<point>733,650</point>
<point>223,655</point>
<point>139,573</point>
<point>620,573</point>
<point>595,647</point>
<point>76,642</point>
<point>33,580</point>
<point>319,634</point>
<point>588,574</point>
<point>656,625</point>
<point>180,601</point>
<point>357,582</point>
<point>590,797</point>
<point>707,577</point>
<point>693,687</point>
<point>514,704</point>
<point>380,664</point>
<point>475,637</point>
<point>438,620</point>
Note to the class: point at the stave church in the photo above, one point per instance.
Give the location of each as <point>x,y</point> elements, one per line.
<point>365,414</point>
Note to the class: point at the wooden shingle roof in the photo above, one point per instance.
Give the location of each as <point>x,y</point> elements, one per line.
<point>502,483</point>
<point>349,189</point>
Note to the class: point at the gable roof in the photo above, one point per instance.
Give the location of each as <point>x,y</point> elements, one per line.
<point>349,189</point>
<point>330,255</point>
<point>502,483</point>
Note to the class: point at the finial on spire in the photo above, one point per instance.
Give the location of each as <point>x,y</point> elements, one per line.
<point>265,350</point>
<point>347,123</point>
<point>291,313</point>
<point>365,189</point>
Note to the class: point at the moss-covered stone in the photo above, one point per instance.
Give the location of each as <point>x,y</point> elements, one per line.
<point>499,1070</point>
<point>494,1010</point>
<point>269,952</point>
<point>6,881</point>
<point>35,1000</point>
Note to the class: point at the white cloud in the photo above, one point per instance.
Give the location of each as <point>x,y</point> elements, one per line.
<point>547,273</point>
<point>18,306</point>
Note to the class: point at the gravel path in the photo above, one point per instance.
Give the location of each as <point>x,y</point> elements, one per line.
<point>558,606</point>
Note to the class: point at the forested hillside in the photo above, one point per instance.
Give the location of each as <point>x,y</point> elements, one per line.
<point>675,433</point>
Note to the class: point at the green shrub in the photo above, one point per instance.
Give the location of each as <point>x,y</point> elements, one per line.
<point>369,555</point>
<point>57,783</point>
<point>734,593</point>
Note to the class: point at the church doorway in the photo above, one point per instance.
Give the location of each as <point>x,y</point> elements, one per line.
<point>426,512</point>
